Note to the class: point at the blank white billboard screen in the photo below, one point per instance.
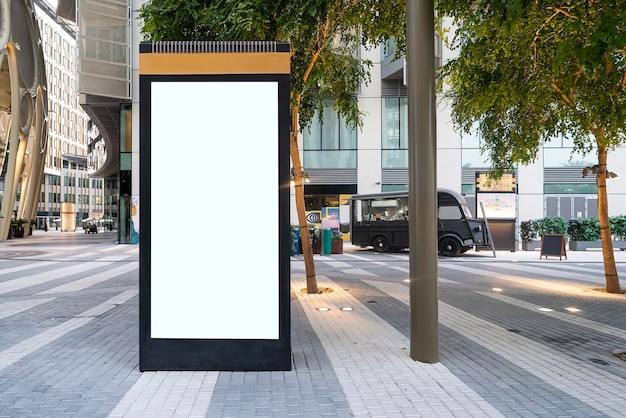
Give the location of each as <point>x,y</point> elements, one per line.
<point>214,210</point>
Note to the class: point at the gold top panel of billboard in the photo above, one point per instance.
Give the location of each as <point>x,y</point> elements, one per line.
<point>194,58</point>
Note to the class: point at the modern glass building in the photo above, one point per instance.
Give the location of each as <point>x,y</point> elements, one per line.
<point>103,49</point>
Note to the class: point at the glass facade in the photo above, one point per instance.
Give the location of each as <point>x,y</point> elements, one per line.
<point>389,48</point>
<point>470,154</point>
<point>395,132</point>
<point>565,188</point>
<point>329,143</point>
<point>104,47</point>
<point>394,187</point>
<point>125,185</point>
<point>564,157</point>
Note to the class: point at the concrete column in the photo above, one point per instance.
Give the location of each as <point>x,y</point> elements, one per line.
<point>422,181</point>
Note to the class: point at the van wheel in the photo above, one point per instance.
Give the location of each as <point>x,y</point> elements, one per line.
<point>449,247</point>
<point>381,244</point>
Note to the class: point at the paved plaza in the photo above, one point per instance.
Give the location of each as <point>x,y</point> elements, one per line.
<point>519,336</point>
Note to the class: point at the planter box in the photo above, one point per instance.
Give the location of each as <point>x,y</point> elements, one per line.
<point>531,245</point>
<point>18,231</point>
<point>584,245</point>
<point>587,245</point>
<point>336,246</point>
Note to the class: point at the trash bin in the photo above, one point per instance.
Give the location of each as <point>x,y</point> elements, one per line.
<point>327,237</point>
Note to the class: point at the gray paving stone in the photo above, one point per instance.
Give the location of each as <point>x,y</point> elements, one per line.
<point>91,370</point>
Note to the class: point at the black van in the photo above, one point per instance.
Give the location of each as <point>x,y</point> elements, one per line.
<point>381,220</point>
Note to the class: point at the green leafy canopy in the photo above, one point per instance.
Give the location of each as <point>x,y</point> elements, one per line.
<point>531,71</point>
<point>327,34</point>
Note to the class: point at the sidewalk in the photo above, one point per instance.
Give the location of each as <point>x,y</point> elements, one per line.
<point>589,256</point>
<point>69,339</point>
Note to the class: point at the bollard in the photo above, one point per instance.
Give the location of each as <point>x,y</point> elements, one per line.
<point>327,239</point>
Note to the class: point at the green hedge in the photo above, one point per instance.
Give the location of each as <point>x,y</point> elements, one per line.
<point>535,228</point>
<point>618,226</point>
<point>585,229</point>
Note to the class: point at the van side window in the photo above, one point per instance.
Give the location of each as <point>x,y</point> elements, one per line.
<point>450,213</point>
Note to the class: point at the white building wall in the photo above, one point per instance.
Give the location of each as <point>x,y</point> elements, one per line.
<point>530,190</point>
<point>448,150</point>
<point>293,211</point>
<point>369,164</point>
<point>616,188</point>
<point>449,145</point>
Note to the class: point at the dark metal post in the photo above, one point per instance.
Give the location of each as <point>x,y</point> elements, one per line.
<point>420,54</point>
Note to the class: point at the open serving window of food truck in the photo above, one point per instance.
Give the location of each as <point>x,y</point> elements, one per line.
<point>382,221</point>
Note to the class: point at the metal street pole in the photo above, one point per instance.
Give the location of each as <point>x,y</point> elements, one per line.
<point>420,54</point>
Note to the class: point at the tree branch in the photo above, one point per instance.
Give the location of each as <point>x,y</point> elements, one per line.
<point>322,34</point>
<point>557,11</point>
<point>564,96</point>
<point>343,11</point>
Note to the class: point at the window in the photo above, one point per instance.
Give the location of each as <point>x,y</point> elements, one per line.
<point>382,209</point>
<point>564,157</point>
<point>394,187</point>
<point>329,142</point>
<point>449,213</point>
<point>395,130</point>
<point>473,157</point>
<point>471,154</point>
<point>565,188</point>
<point>389,48</point>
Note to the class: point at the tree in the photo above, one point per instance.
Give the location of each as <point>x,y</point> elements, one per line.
<point>324,36</point>
<point>532,71</point>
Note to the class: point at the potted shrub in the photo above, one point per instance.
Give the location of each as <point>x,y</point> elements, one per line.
<point>555,225</point>
<point>536,228</point>
<point>584,234</point>
<point>336,244</point>
<point>528,235</point>
<point>18,227</point>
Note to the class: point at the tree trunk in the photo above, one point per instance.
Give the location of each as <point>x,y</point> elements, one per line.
<point>307,249</point>
<point>610,270</point>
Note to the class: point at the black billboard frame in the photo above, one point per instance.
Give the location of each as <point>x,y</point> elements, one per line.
<point>200,354</point>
